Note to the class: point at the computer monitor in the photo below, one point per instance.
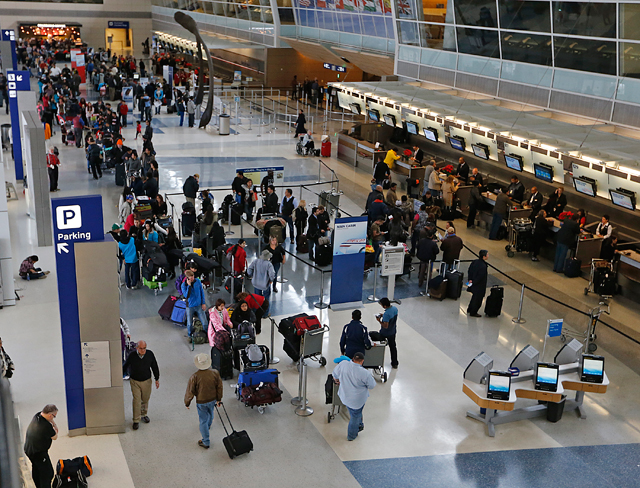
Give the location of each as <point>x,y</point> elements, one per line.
<point>390,120</point>
<point>570,353</point>
<point>513,161</point>
<point>543,172</point>
<point>592,368</point>
<point>546,378</point>
<point>343,101</point>
<point>586,186</point>
<point>430,134</point>
<point>526,359</point>
<point>412,128</point>
<point>480,150</point>
<point>374,115</point>
<point>136,76</point>
<point>457,143</point>
<point>623,198</point>
<point>355,108</point>
<point>499,385</point>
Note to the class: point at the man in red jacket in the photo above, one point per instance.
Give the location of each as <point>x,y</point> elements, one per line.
<point>123,110</point>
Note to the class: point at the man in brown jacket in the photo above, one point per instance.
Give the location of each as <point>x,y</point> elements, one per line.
<point>451,247</point>
<point>206,385</point>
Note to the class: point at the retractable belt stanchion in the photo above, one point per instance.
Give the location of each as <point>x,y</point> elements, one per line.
<point>519,319</point>
<point>303,410</point>
<point>232,278</point>
<point>229,231</point>
<point>374,298</point>
<point>298,399</point>
<point>274,359</point>
<point>321,305</point>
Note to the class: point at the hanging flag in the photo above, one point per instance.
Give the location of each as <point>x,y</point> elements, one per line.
<point>370,5</point>
<point>349,5</point>
<point>404,9</point>
<point>321,4</point>
<point>385,6</point>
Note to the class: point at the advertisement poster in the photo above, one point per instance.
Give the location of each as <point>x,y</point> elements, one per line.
<point>350,235</point>
<point>273,175</point>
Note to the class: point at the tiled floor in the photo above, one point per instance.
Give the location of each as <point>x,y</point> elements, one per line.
<point>416,430</point>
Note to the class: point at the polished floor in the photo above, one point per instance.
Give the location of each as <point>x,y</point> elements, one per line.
<point>416,432</point>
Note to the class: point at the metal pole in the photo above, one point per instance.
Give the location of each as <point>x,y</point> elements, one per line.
<point>274,359</point>
<point>321,305</point>
<point>297,400</point>
<point>262,121</point>
<point>312,124</point>
<point>241,229</point>
<point>229,231</point>
<point>233,282</point>
<point>520,320</point>
<point>286,111</point>
<point>303,409</point>
<point>319,169</point>
<point>374,298</point>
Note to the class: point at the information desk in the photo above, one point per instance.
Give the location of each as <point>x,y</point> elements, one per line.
<point>504,411</point>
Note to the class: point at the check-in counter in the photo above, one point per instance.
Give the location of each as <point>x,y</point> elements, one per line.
<point>404,170</point>
<point>588,248</point>
<point>630,265</point>
<point>356,152</point>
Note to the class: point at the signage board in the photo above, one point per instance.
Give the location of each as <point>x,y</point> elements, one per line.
<point>118,24</point>
<point>392,260</point>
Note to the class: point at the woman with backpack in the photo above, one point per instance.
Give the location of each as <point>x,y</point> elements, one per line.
<point>242,313</point>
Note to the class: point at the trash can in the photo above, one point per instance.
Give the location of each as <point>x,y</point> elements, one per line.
<point>554,410</point>
<point>225,125</point>
<point>325,149</point>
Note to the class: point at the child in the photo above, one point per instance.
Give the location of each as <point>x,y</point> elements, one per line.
<point>138,129</point>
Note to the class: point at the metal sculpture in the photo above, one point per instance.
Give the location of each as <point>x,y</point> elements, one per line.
<point>188,23</point>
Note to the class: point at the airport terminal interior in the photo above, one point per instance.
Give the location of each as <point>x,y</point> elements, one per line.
<point>545,91</point>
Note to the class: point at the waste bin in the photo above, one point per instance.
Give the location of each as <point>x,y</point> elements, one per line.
<point>4,135</point>
<point>225,125</point>
<point>325,149</point>
<point>554,410</point>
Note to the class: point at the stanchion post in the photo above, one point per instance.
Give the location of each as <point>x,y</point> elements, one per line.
<point>374,298</point>
<point>273,359</point>
<point>319,170</point>
<point>296,400</point>
<point>519,319</point>
<point>233,281</point>
<point>303,409</point>
<point>229,231</point>
<point>321,305</point>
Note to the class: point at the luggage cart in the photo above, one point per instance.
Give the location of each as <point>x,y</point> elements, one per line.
<point>374,359</point>
<point>336,404</point>
<point>519,236</point>
<point>311,346</point>
<point>596,264</point>
<point>589,336</point>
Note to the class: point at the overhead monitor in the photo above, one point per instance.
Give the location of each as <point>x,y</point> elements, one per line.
<point>514,162</point>
<point>412,128</point>
<point>546,378</point>
<point>355,108</point>
<point>623,198</point>
<point>390,120</point>
<point>373,114</point>
<point>543,172</point>
<point>499,385</point>
<point>570,353</point>
<point>431,134</point>
<point>457,143</point>
<point>526,359</point>
<point>586,186</point>
<point>592,368</point>
<point>480,150</point>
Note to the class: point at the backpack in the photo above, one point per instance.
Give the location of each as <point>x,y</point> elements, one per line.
<point>254,353</point>
<point>198,335</point>
<point>246,329</point>
<point>76,480</point>
<point>69,467</point>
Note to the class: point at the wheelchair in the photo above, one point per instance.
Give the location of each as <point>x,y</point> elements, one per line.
<point>302,150</point>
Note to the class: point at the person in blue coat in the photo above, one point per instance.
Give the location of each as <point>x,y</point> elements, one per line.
<point>131,268</point>
<point>193,291</point>
<point>355,337</point>
<point>149,233</point>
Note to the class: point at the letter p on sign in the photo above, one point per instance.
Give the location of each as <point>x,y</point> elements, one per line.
<point>69,217</point>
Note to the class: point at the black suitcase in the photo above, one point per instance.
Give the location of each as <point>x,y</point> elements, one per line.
<point>605,282</point>
<point>188,224</point>
<point>237,285</point>
<point>455,280</point>
<point>324,255</point>
<point>572,267</point>
<point>493,305</point>
<point>121,175</point>
<point>236,443</point>
<point>236,213</point>
<point>302,243</point>
<point>438,288</point>
<point>223,362</point>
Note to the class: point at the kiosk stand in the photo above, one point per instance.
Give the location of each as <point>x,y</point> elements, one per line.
<point>392,265</point>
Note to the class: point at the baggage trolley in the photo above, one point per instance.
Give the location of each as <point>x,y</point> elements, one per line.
<point>595,264</point>
<point>336,403</point>
<point>589,336</point>
<point>519,236</point>
<point>311,346</point>
<point>374,359</point>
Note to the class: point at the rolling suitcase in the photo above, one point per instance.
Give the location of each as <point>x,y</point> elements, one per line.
<point>179,313</point>
<point>493,305</point>
<point>165,222</point>
<point>605,282</point>
<point>324,255</point>
<point>236,443</point>
<point>143,207</point>
<point>121,175</point>
<point>438,288</point>
<point>236,214</point>
<point>572,268</point>
<point>166,310</point>
<point>223,362</point>
<point>237,284</point>
<point>302,244</point>
<point>248,378</point>
<point>455,280</point>
<point>188,223</point>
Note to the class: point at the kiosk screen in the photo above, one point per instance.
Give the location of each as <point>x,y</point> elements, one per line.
<point>585,187</point>
<point>499,385</point>
<point>374,115</point>
<point>592,368</point>
<point>412,128</point>
<point>480,150</point>
<point>390,120</point>
<point>547,377</point>
<point>513,162</point>
<point>623,199</point>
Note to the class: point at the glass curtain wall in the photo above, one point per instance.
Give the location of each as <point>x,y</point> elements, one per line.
<point>253,10</point>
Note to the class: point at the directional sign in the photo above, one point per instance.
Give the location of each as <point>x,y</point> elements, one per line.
<point>118,24</point>
<point>17,81</point>
<point>8,35</point>
<point>555,327</point>
<point>335,67</point>
<point>75,219</point>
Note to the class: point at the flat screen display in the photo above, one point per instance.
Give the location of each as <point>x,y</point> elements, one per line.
<point>374,115</point>
<point>592,368</point>
<point>412,128</point>
<point>457,143</point>
<point>623,199</point>
<point>584,187</point>
<point>480,150</point>
<point>343,101</point>
<point>355,108</point>
<point>431,134</point>
<point>543,172</point>
<point>136,76</point>
<point>513,161</point>
<point>390,120</point>
<point>547,377</point>
<point>499,385</point>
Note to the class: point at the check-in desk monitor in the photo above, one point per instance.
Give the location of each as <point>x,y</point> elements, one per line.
<point>546,378</point>
<point>499,385</point>
<point>592,368</point>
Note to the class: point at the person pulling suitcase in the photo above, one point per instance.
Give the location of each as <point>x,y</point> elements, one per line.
<point>477,283</point>
<point>206,386</point>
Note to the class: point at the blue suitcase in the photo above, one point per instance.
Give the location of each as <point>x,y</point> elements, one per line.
<point>179,314</point>
<point>249,378</point>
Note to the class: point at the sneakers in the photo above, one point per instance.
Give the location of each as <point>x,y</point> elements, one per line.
<point>46,273</point>
<point>361,428</point>
<point>202,444</point>
<point>275,290</point>
<point>135,425</point>
<point>146,419</point>
<point>533,258</point>
<point>126,377</point>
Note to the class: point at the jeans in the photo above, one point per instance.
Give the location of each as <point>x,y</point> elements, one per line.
<point>147,113</point>
<point>391,342</point>
<point>561,257</point>
<point>78,134</point>
<point>202,315</point>
<point>158,109</point>
<point>377,250</point>
<point>181,114</point>
<point>192,119</point>
<point>41,469</point>
<point>355,422</point>
<point>289,220</point>
<point>277,268</point>
<point>424,272</point>
<point>266,294</point>
<point>471,219</point>
<point>131,271</point>
<point>434,193</point>
<point>205,414</point>
<point>496,223</point>
<point>248,209</point>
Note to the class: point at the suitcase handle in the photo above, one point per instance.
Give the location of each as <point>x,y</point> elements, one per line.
<point>228,419</point>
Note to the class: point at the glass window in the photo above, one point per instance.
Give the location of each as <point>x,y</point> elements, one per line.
<point>478,41</point>
<point>286,16</point>
<point>432,35</point>
<point>436,15</point>
<point>406,9</point>
<point>408,33</point>
<point>585,55</point>
<point>630,21</point>
<point>379,24</point>
<point>476,12</point>
<point>630,60</point>
<point>525,15</point>
<point>528,48</point>
<point>584,19</point>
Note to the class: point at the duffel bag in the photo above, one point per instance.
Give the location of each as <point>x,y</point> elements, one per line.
<point>262,394</point>
<point>303,324</point>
